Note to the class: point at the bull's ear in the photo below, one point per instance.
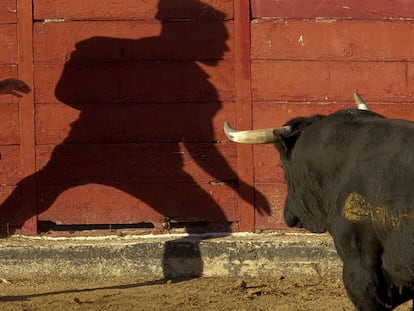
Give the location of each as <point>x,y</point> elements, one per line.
<point>286,142</point>
<point>282,144</point>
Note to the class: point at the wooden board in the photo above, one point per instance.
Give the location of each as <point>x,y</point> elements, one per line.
<point>132,9</point>
<point>144,82</point>
<point>128,41</point>
<point>136,203</point>
<point>135,163</point>
<point>331,81</point>
<point>123,123</point>
<point>341,40</point>
<point>350,9</point>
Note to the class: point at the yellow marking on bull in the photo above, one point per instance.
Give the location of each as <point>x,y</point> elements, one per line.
<point>357,209</point>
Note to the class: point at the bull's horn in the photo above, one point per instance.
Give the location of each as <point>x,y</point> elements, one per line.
<point>361,105</point>
<point>262,136</point>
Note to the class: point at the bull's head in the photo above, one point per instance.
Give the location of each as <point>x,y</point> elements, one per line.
<point>285,138</point>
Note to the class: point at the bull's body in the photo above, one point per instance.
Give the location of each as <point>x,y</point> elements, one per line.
<point>351,173</point>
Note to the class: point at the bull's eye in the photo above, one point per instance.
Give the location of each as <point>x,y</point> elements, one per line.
<point>280,165</point>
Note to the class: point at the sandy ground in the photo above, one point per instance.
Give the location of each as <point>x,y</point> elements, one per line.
<point>195,294</point>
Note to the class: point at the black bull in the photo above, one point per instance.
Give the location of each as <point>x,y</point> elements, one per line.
<point>351,173</point>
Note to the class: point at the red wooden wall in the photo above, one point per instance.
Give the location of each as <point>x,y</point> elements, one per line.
<point>124,123</point>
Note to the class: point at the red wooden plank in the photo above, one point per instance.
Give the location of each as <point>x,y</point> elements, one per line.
<point>27,141</point>
<point>8,44</point>
<point>337,40</point>
<point>351,9</point>
<point>117,122</point>
<point>135,163</point>
<point>244,113</point>
<point>132,10</point>
<point>8,11</point>
<point>135,203</point>
<point>134,82</point>
<point>331,81</point>
<point>131,41</point>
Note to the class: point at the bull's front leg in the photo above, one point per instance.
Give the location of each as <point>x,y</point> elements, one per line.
<point>365,287</point>
<point>362,273</point>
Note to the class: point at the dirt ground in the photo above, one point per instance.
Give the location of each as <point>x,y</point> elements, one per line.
<point>248,294</point>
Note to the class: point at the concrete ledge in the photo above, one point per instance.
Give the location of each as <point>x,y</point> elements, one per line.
<point>170,256</point>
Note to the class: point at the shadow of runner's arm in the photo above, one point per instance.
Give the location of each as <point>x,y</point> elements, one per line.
<point>13,87</point>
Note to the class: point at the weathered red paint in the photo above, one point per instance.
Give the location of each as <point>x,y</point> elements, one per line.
<point>349,9</point>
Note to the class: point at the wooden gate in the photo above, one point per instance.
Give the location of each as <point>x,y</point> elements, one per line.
<point>123,127</point>
<point>124,124</point>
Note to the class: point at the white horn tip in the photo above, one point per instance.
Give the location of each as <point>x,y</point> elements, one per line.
<point>228,131</point>
<point>361,105</point>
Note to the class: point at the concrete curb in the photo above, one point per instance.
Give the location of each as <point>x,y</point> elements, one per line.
<point>169,256</point>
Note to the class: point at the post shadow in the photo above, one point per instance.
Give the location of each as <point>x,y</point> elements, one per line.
<point>115,81</point>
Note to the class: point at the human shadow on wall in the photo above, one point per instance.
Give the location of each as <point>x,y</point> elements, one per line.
<point>138,99</point>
